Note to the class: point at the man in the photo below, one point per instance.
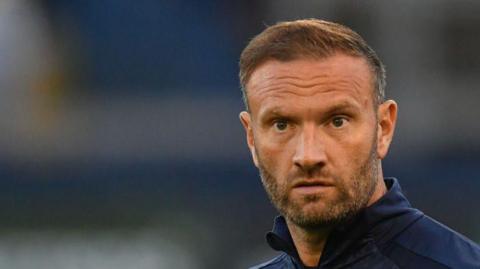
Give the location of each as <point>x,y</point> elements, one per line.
<point>318,125</point>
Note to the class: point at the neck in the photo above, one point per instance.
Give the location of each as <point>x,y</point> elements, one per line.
<point>380,188</point>
<point>309,243</point>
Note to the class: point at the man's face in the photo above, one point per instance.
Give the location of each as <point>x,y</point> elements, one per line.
<point>313,133</point>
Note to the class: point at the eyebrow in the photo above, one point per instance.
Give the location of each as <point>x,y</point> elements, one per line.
<point>345,105</point>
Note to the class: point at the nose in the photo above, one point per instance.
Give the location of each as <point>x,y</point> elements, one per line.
<point>310,150</point>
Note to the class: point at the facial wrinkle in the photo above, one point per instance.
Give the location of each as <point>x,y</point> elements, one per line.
<point>295,86</point>
<point>286,91</point>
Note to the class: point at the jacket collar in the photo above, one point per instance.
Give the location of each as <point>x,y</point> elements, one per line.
<point>380,222</point>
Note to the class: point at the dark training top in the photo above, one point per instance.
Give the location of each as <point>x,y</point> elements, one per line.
<point>387,234</point>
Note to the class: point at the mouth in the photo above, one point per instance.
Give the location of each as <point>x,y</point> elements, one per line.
<point>311,186</point>
<point>312,183</point>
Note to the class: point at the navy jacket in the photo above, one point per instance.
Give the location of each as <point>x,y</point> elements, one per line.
<point>388,234</point>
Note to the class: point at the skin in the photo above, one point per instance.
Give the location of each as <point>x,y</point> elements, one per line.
<point>318,140</point>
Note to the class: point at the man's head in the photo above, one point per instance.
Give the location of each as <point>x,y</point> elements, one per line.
<point>317,125</point>
<point>311,39</point>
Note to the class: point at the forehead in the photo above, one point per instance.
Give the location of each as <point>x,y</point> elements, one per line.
<point>332,76</point>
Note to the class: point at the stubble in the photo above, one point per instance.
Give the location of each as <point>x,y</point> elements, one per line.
<point>352,195</point>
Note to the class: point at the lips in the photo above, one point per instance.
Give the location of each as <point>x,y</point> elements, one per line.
<point>312,183</point>
<point>311,187</point>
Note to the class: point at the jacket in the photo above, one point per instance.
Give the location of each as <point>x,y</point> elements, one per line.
<point>387,234</point>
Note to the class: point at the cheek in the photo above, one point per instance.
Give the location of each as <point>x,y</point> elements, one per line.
<point>349,153</point>
<point>275,157</point>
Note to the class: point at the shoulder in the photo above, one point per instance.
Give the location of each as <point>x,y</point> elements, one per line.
<point>429,242</point>
<point>281,261</point>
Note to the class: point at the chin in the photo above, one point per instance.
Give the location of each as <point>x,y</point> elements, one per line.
<point>311,210</point>
<point>316,214</point>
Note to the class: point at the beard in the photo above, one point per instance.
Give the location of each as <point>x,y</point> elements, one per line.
<point>320,210</point>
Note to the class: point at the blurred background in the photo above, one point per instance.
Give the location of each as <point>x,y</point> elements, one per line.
<point>120,144</point>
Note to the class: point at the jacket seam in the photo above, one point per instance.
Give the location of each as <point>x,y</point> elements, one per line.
<point>280,258</point>
<point>421,255</point>
<point>380,246</point>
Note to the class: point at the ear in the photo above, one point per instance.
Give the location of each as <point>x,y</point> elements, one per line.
<point>246,120</point>
<point>387,118</point>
